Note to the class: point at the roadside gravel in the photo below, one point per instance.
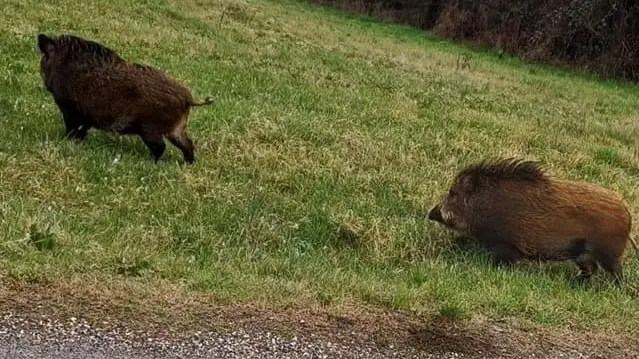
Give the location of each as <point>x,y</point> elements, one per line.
<point>82,319</point>
<point>22,338</point>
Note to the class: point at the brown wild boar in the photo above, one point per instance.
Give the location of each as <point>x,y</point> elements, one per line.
<point>93,86</point>
<point>516,211</point>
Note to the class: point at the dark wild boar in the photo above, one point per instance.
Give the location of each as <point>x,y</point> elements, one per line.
<point>516,211</point>
<point>93,86</point>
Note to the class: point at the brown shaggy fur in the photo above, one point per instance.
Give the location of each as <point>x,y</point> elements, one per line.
<point>93,86</point>
<point>514,209</point>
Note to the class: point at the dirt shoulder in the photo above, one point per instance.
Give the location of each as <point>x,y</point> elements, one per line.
<point>169,311</point>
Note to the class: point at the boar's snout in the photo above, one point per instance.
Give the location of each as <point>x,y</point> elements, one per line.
<point>435,214</point>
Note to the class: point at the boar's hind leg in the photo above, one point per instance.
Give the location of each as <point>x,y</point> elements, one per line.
<point>155,143</point>
<point>581,252</point>
<point>587,266</point>
<point>181,140</point>
<point>610,262</point>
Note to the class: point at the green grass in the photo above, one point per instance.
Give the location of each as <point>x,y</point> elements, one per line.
<point>331,135</point>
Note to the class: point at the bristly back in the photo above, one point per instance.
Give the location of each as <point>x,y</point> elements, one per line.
<point>80,45</point>
<point>505,169</point>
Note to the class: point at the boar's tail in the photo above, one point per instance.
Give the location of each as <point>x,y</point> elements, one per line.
<point>207,101</point>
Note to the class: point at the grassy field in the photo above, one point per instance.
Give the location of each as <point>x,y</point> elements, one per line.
<point>331,136</point>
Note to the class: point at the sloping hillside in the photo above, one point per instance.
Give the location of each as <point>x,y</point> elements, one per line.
<point>330,138</point>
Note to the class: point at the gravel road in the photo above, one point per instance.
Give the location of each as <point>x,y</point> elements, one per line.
<point>22,338</point>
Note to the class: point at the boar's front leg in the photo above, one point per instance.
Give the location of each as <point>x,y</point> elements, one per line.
<point>73,124</point>
<point>504,253</point>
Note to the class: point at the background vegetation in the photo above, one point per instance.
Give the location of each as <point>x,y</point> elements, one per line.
<point>600,36</point>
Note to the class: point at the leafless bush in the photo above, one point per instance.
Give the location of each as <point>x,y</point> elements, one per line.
<point>597,35</point>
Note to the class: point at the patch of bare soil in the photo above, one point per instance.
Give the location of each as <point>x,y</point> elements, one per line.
<point>167,310</point>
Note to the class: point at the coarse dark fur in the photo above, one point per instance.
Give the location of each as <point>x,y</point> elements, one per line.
<point>516,211</point>
<point>93,86</point>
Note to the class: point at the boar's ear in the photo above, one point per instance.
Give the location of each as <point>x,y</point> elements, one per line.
<point>468,182</point>
<point>45,44</point>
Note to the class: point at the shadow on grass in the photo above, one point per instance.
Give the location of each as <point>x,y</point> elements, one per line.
<point>118,146</point>
<point>465,250</point>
